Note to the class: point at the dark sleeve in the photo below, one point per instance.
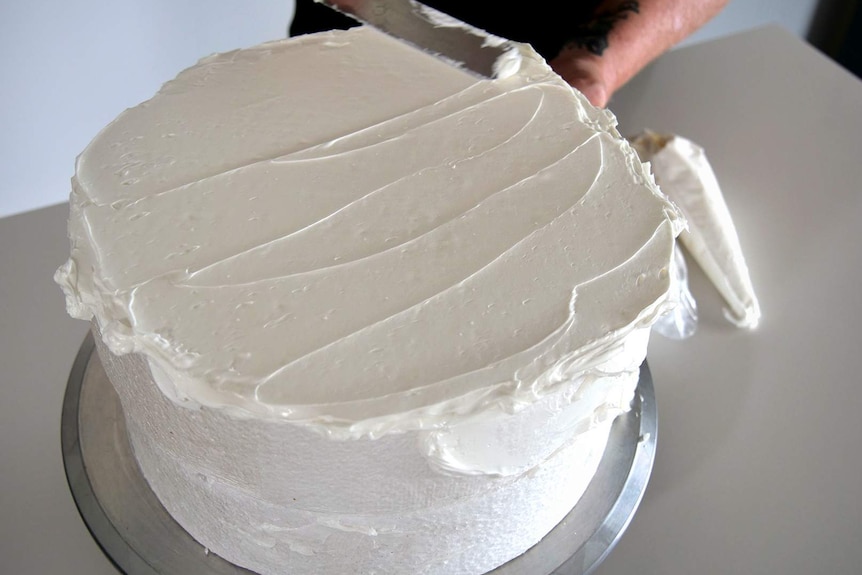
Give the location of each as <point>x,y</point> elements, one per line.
<point>545,24</point>
<point>311,16</point>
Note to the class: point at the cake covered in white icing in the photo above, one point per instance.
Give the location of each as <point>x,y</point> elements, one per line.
<point>364,311</point>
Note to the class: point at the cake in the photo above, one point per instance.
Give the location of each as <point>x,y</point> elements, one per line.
<point>364,311</point>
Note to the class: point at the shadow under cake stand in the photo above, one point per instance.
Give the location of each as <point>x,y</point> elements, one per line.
<point>141,538</point>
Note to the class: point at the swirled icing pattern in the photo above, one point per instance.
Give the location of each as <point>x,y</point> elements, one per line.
<point>364,244</point>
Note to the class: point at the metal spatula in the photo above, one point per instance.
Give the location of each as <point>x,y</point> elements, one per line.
<point>433,31</point>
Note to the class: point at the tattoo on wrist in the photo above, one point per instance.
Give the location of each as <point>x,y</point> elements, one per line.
<point>593,34</point>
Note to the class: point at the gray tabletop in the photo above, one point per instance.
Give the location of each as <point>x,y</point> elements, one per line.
<point>757,468</point>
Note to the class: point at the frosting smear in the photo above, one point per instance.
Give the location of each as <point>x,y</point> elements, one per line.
<point>353,247</point>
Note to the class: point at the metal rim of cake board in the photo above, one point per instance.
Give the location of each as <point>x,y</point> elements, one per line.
<point>140,538</point>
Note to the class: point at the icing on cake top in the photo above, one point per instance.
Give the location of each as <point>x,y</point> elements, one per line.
<point>310,231</point>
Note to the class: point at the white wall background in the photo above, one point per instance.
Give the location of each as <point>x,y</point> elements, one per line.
<point>69,67</point>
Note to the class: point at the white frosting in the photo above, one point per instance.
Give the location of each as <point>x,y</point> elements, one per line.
<point>685,175</point>
<point>340,238</point>
<point>281,499</point>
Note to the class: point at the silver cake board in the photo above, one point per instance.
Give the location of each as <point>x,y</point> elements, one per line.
<point>139,536</point>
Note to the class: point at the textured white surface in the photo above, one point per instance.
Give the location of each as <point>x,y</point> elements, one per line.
<point>284,500</point>
<point>336,250</point>
<point>344,232</point>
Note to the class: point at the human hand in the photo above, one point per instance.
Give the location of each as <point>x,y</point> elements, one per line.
<point>624,36</point>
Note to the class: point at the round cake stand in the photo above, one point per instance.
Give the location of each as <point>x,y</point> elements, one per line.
<point>141,538</point>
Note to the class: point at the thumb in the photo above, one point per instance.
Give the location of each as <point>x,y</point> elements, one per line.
<point>595,91</point>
